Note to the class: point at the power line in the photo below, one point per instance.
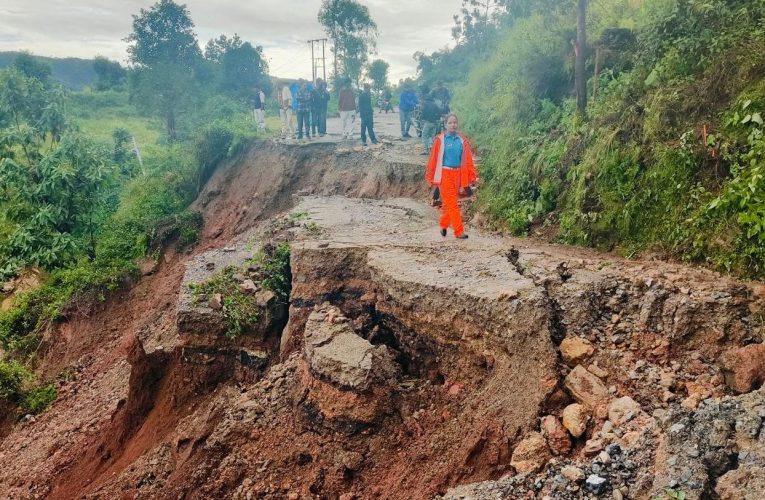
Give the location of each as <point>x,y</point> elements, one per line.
<point>315,60</point>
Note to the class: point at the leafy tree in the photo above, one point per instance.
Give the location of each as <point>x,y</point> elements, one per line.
<point>352,31</point>
<point>238,64</point>
<point>378,73</point>
<point>109,73</point>
<point>165,51</point>
<point>30,66</point>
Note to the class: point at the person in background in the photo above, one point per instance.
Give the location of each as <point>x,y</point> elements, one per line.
<point>442,98</point>
<point>258,104</point>
<point>406,105</point>
<point>367,115</point>
<point>303,111</point>
<point>431,116</point>
<point>294,89</point>
<point>451,168</point>
<point>285,110</point>
<point>347,106</point>
<point>319,102</point>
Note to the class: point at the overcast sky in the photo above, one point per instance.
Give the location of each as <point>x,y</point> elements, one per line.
<point>85,28</point>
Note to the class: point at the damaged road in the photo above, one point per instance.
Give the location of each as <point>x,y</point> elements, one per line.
<point>407,365</point>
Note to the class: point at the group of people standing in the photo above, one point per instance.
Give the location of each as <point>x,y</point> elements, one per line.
<point>308,103</point>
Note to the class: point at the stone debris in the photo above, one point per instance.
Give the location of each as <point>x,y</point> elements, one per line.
<point>586,388</point>
<point>557,436</point>
<point>575,419</point>
<point>531,454</point>
<point>576,350</point>
<point>744,367</point>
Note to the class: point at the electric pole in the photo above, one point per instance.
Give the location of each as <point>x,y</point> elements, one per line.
<point>315,61</point>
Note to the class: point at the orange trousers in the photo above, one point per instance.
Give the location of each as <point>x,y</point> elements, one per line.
<point>450,209</point>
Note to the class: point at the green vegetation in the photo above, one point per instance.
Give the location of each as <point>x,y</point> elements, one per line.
<point>77,201</point>
<point>668,156</point>
<point>269,268</point>
<point>15,387</point>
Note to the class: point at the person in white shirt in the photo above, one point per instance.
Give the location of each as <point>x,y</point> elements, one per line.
<point>285,111</point>
<point>258,103</point>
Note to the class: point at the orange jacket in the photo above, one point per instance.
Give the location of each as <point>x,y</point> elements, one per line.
<point>434,168</point>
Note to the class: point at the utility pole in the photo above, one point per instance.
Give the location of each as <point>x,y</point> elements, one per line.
<point>315,61</point>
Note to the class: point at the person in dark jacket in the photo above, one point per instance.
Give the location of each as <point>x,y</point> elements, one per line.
<point>319,101</point>
<point>430,117</point>
<point>367,115</point>
<point>406,105</point>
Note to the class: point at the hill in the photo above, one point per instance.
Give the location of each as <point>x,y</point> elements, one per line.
<point>73,72</point>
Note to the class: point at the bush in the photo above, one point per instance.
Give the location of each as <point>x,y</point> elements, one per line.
<point>39,399</point>
<point>12,377</point>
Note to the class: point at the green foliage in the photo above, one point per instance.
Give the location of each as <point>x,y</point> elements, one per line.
<point>378,73</point>
<point>109,73</point>
<point>352,31</point>
<point>39,399</point>
<point>668,157</point>
<point>275,264</point>
<point>31,67</point>
<point>240,309</point>
<point>12,377</point>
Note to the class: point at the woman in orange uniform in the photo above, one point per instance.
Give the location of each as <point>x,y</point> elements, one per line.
<point>451,169</point>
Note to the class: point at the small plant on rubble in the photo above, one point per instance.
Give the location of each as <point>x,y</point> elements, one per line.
<point>239,309</point>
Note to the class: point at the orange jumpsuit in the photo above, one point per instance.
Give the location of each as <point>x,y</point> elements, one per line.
<point>450,181</point>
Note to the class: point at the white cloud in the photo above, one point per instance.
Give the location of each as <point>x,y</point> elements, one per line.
<point>85,28</point>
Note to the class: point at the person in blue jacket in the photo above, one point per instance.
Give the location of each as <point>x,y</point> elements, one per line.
<point>406,105</point>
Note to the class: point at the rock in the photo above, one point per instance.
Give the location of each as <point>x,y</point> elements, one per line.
<point>604,458</point>
<point>596,484</point>
<point>622,410</point>
<point>744,483</point>
<point>506,295</point>
<point>147,266</point>
<point>598,372</point>
<point>216,302</point>
<point>557,437</point>
<point>572,473</point>
<point>744,367</point>
<point>592,447</point>
<point>576,350</point>
<point>265,298</point>
<point>248,287</point>
<point>586,388</point>
<point>336,354</point>
<point>575,419</point>
<point>531,454</point>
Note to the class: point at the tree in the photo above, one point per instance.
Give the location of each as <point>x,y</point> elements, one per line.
<point>28,65</point>
<point>238,63</point>
<point>580,48</point>
<point>378,73</point>
<point>109,73</point>
<point>165,51</point>
<point>352,31</point>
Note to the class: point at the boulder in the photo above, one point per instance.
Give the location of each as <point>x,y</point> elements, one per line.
<point>248,287</point>
<point>586,388</point>
<point>576,350</point>
<point>557,437</point>
<point>744,367</point>
<point>575,419</point>
<point>531,454</point>
<point>334,353</point>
